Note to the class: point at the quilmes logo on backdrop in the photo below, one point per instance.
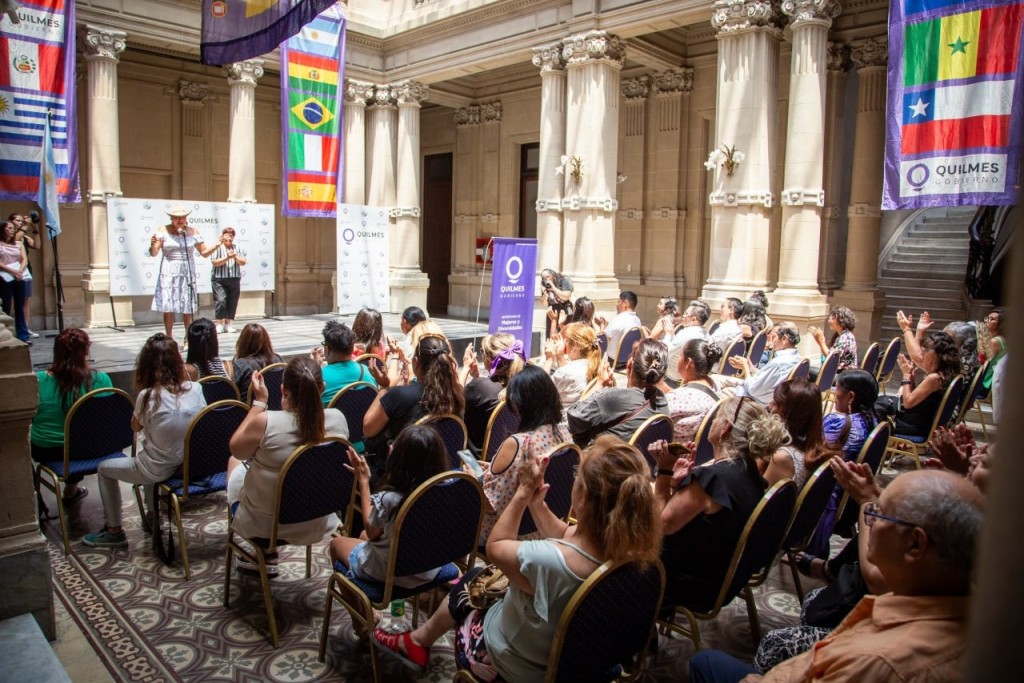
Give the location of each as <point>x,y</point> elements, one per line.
<point>513,273</point>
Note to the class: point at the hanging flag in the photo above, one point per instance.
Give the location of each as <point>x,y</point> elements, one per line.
<point>235,30</point>
<point>955,126</point>
<point>312,65</point>
<point>47,197</point>
<point>36,78</point>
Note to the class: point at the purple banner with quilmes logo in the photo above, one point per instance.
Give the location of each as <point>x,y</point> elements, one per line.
<point>955,111</point>
<point>512,288</point>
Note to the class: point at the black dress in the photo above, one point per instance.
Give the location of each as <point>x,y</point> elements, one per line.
<point>697,556</point>
<point>481,399</point>
<point>917,421</point>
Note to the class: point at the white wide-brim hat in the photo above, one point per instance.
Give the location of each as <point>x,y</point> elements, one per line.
<point>178,211</point>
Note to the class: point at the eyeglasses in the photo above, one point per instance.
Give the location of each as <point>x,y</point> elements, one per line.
<point>872,511</point>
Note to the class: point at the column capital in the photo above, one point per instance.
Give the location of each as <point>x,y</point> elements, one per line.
<point>838,58</point>
<point>358,92</point>
<point>549,58</point>
<point>102,43</point>
<point>870,52</point>
<point>383,96</point>
<point>410,93</point>
<point>592,46</point>
<point>193,93</point>
<point>490,112</point>
<point>807,10</point>
<point>730,16</point>
<point>635,89</point>
<point>674,81</point>
<point>467,116</point>
<point>244,73</point>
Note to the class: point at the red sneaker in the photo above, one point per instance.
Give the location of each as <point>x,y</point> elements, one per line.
<point>401,645</point>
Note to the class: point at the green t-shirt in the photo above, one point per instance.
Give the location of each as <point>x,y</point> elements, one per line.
<point>339,375</point>
<point>48,424</point>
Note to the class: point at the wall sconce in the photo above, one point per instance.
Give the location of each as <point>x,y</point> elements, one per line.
<point>573,165</point>
<point>724,156</point>
<point>620,178</point>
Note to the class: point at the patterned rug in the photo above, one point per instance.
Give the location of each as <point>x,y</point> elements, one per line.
<point>148,624</point>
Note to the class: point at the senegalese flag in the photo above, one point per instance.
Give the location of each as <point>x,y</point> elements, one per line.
<point>236,30</point>
<point>312,64</point>
<point>954,133</point>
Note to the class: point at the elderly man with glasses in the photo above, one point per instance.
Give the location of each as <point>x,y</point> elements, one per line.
<point>760,384</point>
<point>921,537</point>
<point>693,319</point>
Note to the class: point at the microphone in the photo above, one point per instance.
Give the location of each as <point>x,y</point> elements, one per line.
<point>34,216</point>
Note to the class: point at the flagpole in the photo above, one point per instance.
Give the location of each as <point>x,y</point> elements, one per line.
<point>49,206</point>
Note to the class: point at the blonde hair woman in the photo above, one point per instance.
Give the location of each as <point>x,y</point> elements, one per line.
<point>577,357</point>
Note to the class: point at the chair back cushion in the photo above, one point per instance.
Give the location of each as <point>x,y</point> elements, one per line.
<point>801,369</point>
<point>354,401</point>
<point>736,348</point>
<point>889,358</point>
<point>655,428</point>
<point>763,535</point>
<point>560,476</point>
<point>207,440</point>
<point>949,404</point>
<point>827,373</point>
<point>607,621</point>
<point>217,388</point>
<point>625,350</point>
<point>870,361</point>
<point>757,347</point>
<point>871,454</point>
<point>273,376</point>
<point>438,523</point>
<point>453,432</point>
<point>703,450</point>
<point>315,482</point>
<point>810,506</point>
<point>99,424</point>
<point>502,424</point>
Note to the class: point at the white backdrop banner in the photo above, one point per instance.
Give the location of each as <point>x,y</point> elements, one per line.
<point>131,223</point>
<point>363,258</point>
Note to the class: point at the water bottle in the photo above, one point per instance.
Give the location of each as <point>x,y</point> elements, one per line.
<point>396,623</point>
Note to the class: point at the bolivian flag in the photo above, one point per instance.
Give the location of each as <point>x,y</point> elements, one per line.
<point>312,64</point>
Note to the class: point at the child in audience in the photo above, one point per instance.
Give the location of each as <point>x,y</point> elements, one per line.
<point>417,454</point>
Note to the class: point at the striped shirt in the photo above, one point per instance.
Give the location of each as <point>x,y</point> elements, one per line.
<point>229,269</point>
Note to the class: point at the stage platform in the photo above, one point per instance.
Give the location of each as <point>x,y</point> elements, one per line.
<point>114,352</point>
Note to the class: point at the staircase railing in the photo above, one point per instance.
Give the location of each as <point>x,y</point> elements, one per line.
<point>978,278</point>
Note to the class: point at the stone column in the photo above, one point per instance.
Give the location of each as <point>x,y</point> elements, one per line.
<point>490,167</point>
<point>24,561</point>
<point>242,77</point>
<point>195,179</point>
<point>803,196</point>
<point>356,95</point>
<point>408,282</point>
<point>632,238</point>
<point>832,260</point>
<point>748,36</point>
<point>593,62</point>
<point>860,288</point>
<point>466,199</point>
<point>380,142</point>
<point>101,49</point>
<point>552,146</point>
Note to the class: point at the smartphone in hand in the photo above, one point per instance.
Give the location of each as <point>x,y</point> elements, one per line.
<point>466,456</point>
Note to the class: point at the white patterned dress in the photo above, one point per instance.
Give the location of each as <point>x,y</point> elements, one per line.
<point>176,286</point>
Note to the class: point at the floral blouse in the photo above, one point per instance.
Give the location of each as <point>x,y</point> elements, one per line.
<point>846,346</point>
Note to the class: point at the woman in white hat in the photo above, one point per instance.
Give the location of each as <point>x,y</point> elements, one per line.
<point>176,286</point>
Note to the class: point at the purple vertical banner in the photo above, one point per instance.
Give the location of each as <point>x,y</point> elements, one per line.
<point>512,288</point>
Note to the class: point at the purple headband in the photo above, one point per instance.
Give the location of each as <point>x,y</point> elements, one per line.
<point>508,354</point>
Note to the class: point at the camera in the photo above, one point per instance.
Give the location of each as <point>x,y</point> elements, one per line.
<point>547,284</point>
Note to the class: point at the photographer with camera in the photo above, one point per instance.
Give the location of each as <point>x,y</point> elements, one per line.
<point>558,291</point>
<point>227,279</point>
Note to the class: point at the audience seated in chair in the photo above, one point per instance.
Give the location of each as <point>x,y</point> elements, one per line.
<point>924,553</point>
<point>798,402</point>
<point>617,520</point>
<point>698,393</point>
<point>253,352</point>
<point>728,327</point>
<point>624,320</point>
<point>575,358</point>
<point>202,357</point>
<point>841,321</point>
<point>760,383</point>
<point>668,319</point>
<point>532,396</point>
<point>165,406</point>
<point>705,508</point>
<point>620,410</point>
<point>483,387</point>
<point>335,360</point>
<point>416,455</point>
<point>915,406</point>
<point>693,321</point>
<point>265,440</point>
<point>66,380</point>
